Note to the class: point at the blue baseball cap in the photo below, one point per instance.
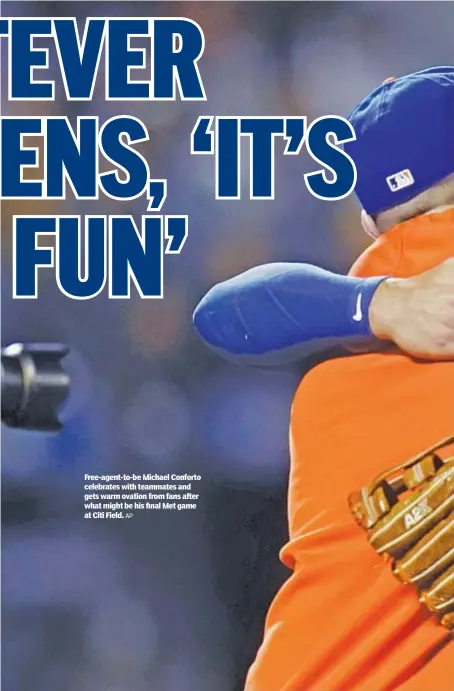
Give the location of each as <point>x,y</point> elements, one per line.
<point>404,138</point>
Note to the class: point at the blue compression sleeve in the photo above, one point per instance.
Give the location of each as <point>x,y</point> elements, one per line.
<point>280,313</point>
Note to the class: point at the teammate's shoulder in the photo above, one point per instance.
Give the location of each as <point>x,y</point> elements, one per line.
<point>332,376</point>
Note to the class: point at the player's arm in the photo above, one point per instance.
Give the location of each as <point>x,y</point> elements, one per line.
<point>417,313</point>
<point>281,313</point>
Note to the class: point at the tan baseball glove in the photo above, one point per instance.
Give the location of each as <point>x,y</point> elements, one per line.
<point>408,513</point>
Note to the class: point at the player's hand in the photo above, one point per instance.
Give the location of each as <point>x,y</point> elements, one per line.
<point>417,313</point>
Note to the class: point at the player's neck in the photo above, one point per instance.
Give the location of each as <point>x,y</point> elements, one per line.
<point>439,209</point>
<point>411,247</point>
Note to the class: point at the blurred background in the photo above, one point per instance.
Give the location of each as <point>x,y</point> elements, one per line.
<point>176,601</point>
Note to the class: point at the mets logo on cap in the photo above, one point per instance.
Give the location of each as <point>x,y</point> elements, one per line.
<point>399,180</point>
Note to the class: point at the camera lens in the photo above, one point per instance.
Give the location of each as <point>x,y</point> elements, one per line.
<point>34,385</point>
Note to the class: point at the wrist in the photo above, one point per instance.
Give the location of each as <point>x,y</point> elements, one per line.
<point>384,309</point>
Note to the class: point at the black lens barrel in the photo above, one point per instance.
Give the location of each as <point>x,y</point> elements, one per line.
<point>34,385</point>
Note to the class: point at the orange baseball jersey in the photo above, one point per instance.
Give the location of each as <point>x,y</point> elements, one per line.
<point>342,621</point>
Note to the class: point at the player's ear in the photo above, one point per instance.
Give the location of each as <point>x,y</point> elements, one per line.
<point>369,225</point>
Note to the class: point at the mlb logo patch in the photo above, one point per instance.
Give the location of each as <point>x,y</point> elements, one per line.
<point>400,180</point>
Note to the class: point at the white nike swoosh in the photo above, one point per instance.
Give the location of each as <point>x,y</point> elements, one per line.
<point>357,317</point>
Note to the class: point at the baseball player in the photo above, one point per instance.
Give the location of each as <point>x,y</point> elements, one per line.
<point>369,605</point>
<point>344,621</point>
